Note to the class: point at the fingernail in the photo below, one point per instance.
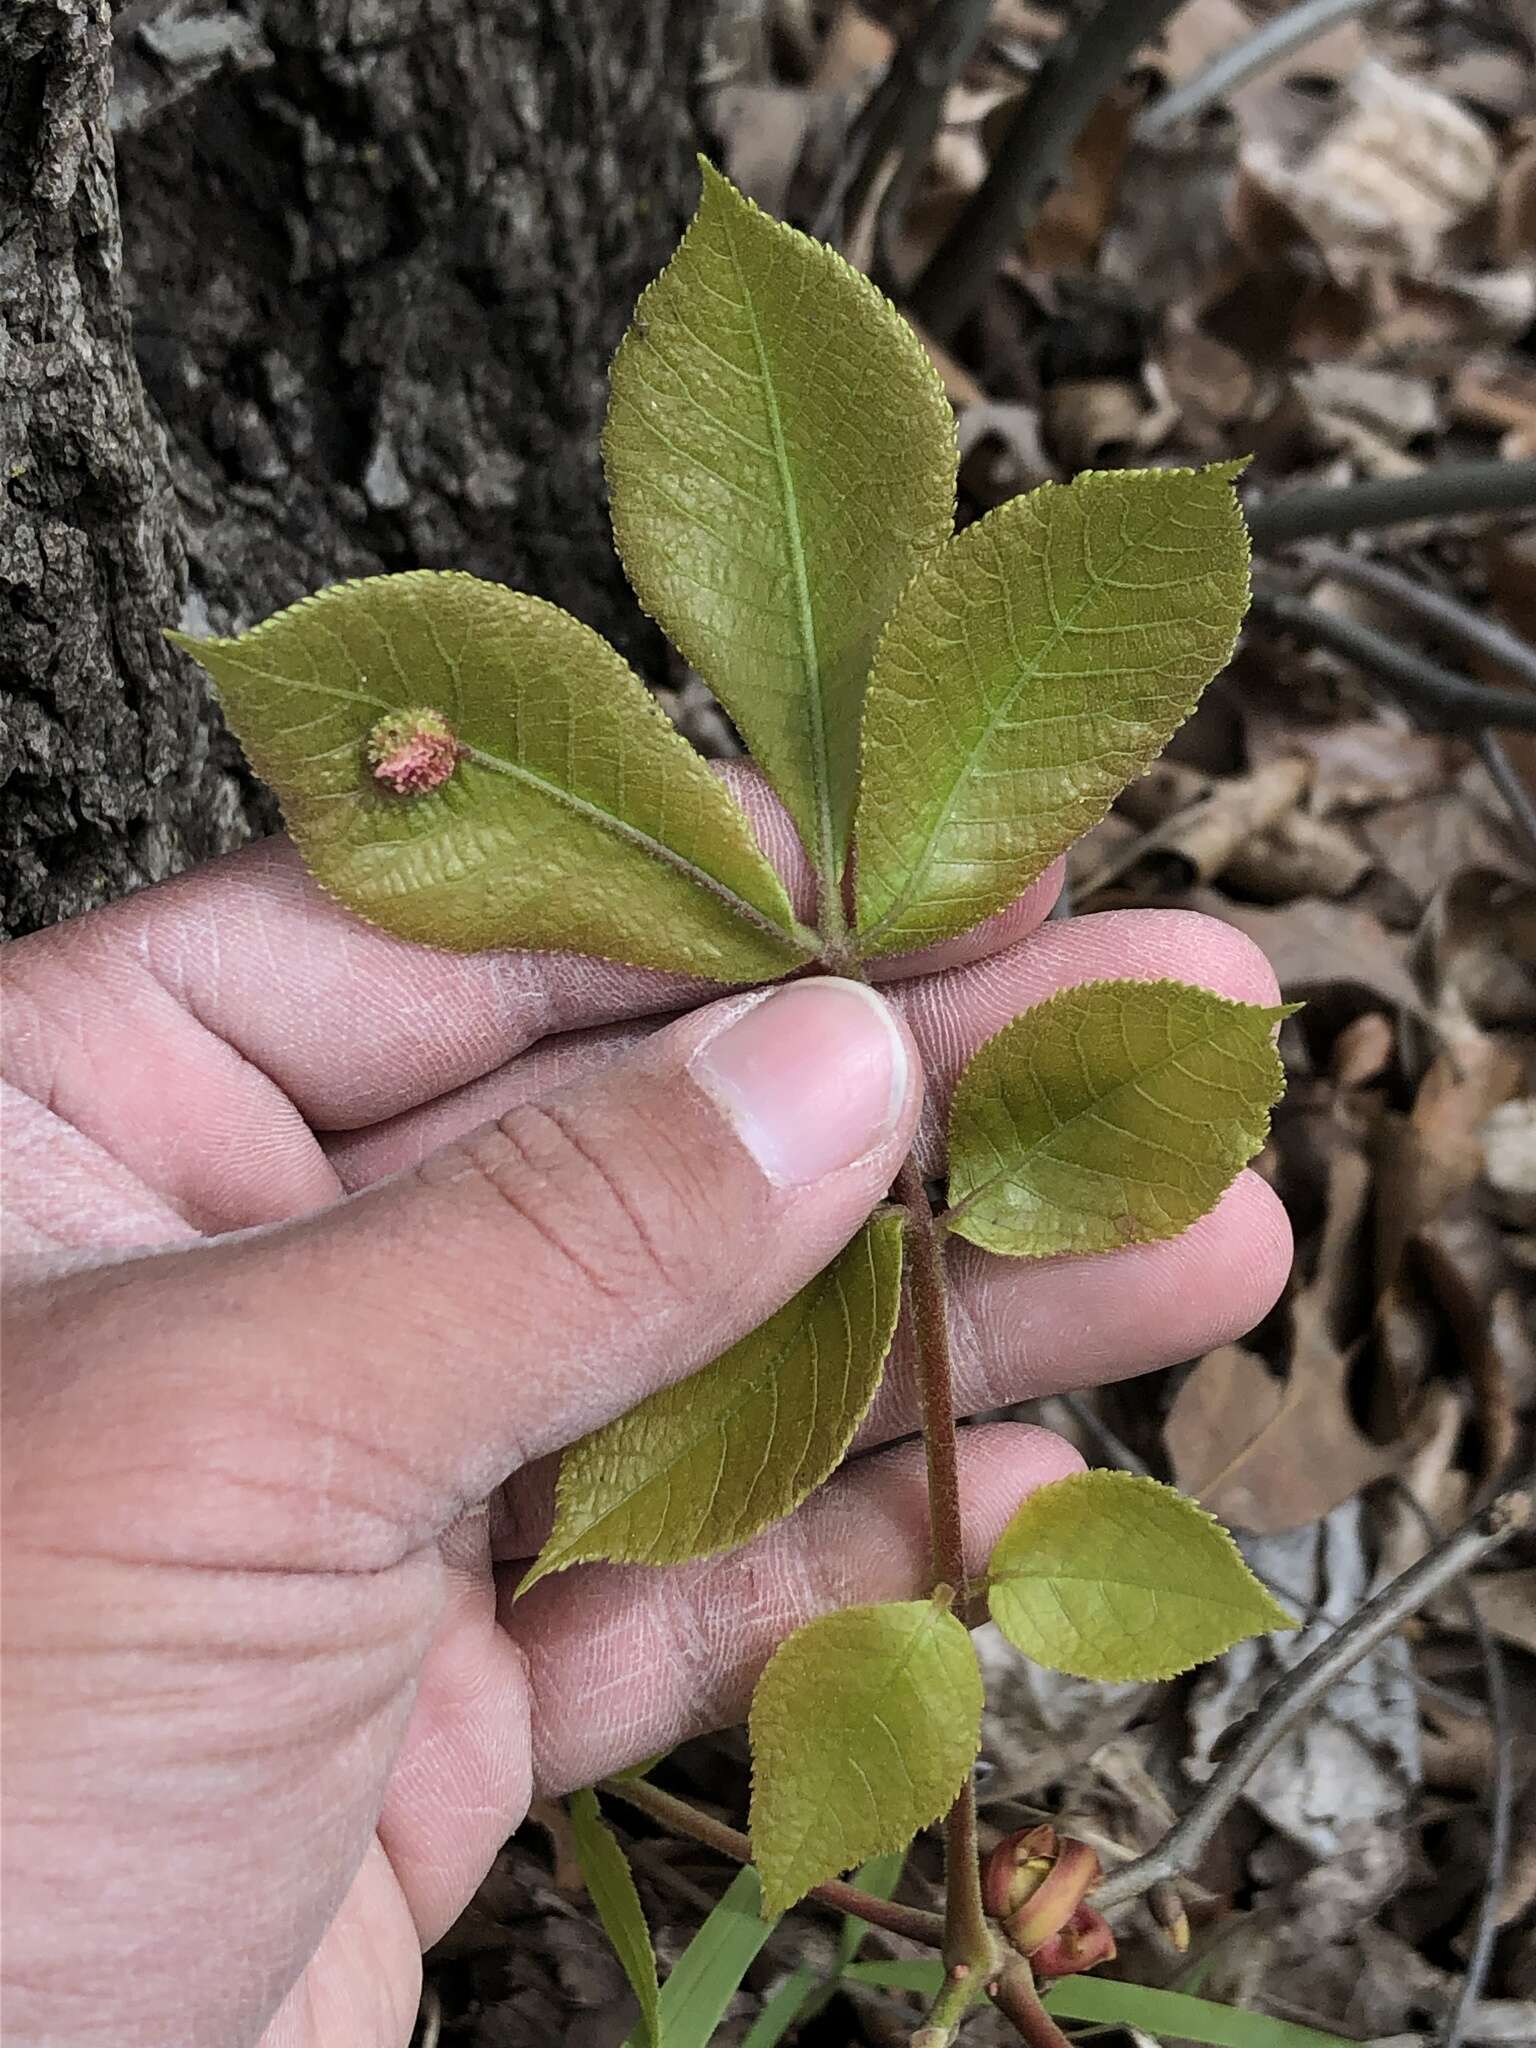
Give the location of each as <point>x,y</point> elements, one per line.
<point>812,1078</point>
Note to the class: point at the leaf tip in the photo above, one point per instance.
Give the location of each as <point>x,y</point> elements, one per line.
<point>543,1567</point>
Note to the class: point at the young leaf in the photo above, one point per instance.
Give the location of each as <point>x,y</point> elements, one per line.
<point>703,1465</point>
<point>1105,1575</point>
<point>612,1887</point>
<point>863,1727</point>
<point>1113,1114</point>
<point>471,767</point>
<point>780,457</point>
<point>1029,672</point>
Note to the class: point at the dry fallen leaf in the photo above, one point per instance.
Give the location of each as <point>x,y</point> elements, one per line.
<point>1314,945</point>
<point>1507,1602</point>
<point>1196,843</point>
<point>1362,762</point>
<point>1267,1454</point>
<point>1401,168</point>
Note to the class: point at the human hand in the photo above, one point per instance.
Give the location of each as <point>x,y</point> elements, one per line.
<point>293,1336</point>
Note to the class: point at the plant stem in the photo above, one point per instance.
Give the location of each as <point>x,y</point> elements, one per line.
<point>1242,60</point>
<point>679,1818</point>
<point>968,1941</point>
<point>1015,1996</point>
<point>1082,67</point>
<point>1441,492</point>
<point>1186,1842</point>
<point>930,1319</point>
<point>1449,700</point>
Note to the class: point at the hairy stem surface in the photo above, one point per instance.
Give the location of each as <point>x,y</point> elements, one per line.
<point>678,1817</point>
<point>967,1939</point>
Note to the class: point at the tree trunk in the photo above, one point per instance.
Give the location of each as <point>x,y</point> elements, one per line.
<point>112,769</point>
<point>377,255</point>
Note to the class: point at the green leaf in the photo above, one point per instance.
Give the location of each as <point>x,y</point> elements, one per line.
<point>708,1973</point>
<point>703,1465</point>
<point>575,817</point>
<point>1030,671</point>
<point>612,1887</point>
<point>1110,1576</point>
<point>780,457</point>
<point>1175,2016</point>
<point>1115,1113</point>
<point>863,1727</point>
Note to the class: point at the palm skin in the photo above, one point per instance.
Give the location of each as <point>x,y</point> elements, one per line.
<point>319,1246</point>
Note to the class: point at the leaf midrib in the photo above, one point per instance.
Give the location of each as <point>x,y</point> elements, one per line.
<point>751,1388</point>
<point>1094,1108</point>
<point>898,1669</point>
<point>657,849</point>
<point>919,868</point>
<point>1042,1575</point>
<point>821,776</point>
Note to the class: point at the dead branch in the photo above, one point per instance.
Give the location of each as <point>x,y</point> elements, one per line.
<point>1449,701</point>
<point>1444,491</point>
<point>1080,70</point>
<point>1187,1840</point>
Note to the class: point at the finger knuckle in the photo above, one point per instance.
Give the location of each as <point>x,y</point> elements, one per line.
<point>625,1210</point>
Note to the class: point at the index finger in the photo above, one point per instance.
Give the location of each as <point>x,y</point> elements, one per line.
<point>355,1026</point>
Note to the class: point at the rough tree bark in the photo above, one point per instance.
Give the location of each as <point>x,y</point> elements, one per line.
<point>113,772</point>
<point>376,255</point>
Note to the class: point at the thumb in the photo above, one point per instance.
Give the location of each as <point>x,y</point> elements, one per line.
<point>365,1373</point>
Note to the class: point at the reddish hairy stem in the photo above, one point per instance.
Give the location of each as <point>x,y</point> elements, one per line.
<point>1014,1994</point>
<point>967,1937</point>
<point>679,1818</point>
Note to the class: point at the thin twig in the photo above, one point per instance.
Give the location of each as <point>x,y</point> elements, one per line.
<point>1450,619</point>
<point>867,125</point>
<point>1501,1796</point>
<point>678,1817</point>
<point>1508,781</point>
<point>1458,624</point>
<point>1447,489</point>
<point>1187,1840</point>
<point>920,76</point>
<point>1243,60</point>
<point>1452,702</point>
<point>1080,70</point>
<point>1114,1448</point>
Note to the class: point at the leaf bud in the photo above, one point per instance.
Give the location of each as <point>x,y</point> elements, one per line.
<point>1035,1882</point>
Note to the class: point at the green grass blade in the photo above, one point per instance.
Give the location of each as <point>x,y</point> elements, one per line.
<point>1175,2014</point>
<point>710,1969</point>
<point>788,2004</point>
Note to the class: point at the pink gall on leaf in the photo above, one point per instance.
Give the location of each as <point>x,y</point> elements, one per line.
<point>413,752</point>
